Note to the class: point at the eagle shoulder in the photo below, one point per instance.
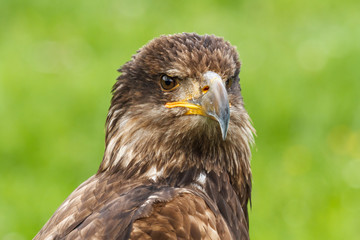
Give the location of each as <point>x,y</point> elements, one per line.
<point>105,208</point>
<point>187,216</point>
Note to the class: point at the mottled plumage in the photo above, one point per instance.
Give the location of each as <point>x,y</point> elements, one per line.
<point>176,163</point>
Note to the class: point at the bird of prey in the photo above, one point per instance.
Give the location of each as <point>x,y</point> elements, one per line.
<point>177,157</point>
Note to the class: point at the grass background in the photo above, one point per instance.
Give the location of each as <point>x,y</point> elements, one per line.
<point>300,80</point>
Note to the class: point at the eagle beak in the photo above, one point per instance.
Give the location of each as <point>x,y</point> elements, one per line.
<point>213,103</point>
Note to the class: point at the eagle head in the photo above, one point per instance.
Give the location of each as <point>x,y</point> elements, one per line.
<point>177,105</point>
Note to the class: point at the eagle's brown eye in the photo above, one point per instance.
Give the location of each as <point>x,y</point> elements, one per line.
<point>229,82</point>
<point>168,83</point>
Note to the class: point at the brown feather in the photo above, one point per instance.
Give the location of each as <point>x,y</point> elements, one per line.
<point>185,217</point>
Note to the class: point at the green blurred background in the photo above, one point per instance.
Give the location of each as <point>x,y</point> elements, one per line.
<point>300,79</point>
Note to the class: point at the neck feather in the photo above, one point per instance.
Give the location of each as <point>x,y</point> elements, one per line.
<point>142,148</point>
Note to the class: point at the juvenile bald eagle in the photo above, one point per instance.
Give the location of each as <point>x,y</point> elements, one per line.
<point>176,163</point>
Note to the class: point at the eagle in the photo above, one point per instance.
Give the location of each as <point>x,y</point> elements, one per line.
<point>177,150</point>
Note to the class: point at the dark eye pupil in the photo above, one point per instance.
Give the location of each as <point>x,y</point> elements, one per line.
<point>168,81</point>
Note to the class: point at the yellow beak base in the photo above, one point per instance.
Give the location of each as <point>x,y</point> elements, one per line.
<point>192,108</point>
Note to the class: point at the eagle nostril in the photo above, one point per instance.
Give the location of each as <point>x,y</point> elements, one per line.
<point>205,89</point>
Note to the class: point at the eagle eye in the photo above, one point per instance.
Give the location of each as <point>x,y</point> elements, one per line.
<point>168,83</point>
<point>229,82</point>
